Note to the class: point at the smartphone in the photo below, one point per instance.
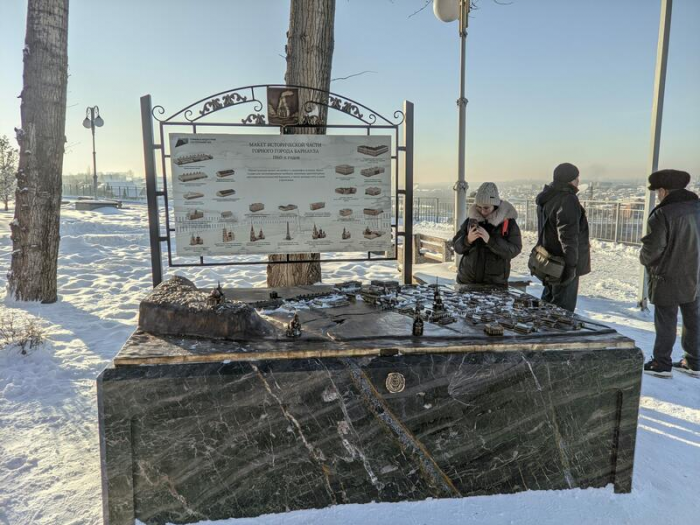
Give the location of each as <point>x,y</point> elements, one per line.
<point>473,223</point>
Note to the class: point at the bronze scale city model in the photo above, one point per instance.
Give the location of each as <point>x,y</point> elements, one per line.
<point>438,394</point>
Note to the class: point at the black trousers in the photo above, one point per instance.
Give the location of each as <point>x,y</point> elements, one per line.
<point>564,296</point>
<point>665,321</point>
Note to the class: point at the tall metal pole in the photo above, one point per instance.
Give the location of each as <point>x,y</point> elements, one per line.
<point>94,155</point>
<point>151,188</point>
<point>407,263</point>
<point>461,185</point>
<point>657,110</point>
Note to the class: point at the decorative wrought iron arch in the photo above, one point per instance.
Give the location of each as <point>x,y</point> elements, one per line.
<point>198,114</point>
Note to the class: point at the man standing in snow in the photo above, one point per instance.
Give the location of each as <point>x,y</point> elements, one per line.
<point>671,254</point>
<point>563,228</point>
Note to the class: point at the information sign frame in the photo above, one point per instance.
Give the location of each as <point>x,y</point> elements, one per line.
<point>204,115</point>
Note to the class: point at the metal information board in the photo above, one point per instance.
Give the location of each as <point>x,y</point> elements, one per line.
<point>243,194</point>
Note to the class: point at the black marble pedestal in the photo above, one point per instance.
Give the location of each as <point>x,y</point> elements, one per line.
<point>326,423</point>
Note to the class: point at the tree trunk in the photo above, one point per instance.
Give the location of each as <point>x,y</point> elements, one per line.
<point>309,60</point>
<point>35,233</point>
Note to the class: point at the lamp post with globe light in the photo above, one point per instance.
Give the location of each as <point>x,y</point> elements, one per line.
<point>92,120</point>
<point>449,11</point>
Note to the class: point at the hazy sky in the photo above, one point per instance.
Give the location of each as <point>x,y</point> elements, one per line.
<point>547,80</point>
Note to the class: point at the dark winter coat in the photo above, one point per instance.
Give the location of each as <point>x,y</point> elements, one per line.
<point>484,263</point>
<point>671,249</point>
<point>566,231</point>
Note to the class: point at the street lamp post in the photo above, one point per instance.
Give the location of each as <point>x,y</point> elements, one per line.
<point>449,11</point>
<point>92,120</point>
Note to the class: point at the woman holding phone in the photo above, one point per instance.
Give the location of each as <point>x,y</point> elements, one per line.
<point>488,239</point>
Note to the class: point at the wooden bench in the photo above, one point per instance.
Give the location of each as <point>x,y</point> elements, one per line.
<point>429,249</point>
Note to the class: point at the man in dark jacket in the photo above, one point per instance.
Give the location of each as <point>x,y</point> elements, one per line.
<point>563,230</point>
<point>488,239</point>
<point>671,254</point>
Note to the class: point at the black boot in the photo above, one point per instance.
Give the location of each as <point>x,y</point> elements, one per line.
<point>654,368</point>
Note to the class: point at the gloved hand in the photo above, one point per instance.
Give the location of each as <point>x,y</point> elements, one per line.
<point>568,275</point>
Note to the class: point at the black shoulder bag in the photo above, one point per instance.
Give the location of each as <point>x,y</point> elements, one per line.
<point>546,267</point>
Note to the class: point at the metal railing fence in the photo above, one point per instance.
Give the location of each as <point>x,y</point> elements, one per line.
<point>126,193</point>
<point>608,220</point>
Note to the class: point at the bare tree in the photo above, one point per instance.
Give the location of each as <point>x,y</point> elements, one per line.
<point>35,230</point>
<point>309,60</point>
<point>8,168</point>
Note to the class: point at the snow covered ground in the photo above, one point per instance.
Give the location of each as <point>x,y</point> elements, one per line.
<point>49,455</point>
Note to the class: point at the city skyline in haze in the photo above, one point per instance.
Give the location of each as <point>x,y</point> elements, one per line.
<point>547,82</point>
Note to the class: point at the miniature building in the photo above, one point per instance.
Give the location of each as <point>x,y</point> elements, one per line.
<point>373,191</point>
<point>417,323</point>
<point>288,207</point>
<point>346,191</point>
<point>373,211</point>
<point>256,206</point>
<point>226,193</point>
<point>195,214</point>
<point>346,234</point>
<point>294,327</point>
<point>216,297</point>
<point>288,237</point>
<point>317,206</point>
<point>345,212</point>
<point>225,173</point>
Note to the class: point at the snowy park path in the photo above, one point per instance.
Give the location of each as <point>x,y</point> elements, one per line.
<point>49,451</point>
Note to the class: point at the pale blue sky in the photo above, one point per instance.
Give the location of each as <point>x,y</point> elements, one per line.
<point>547,80</point>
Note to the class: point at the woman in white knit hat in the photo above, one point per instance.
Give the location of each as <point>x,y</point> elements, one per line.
<point>488,239</point>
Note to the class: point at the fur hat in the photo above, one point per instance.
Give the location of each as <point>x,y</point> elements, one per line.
<point>565,173</point>
<point>669,180</point>
<point>487,195</point>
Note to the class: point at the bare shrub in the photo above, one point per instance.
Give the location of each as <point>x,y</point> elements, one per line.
<point>25,333</point>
